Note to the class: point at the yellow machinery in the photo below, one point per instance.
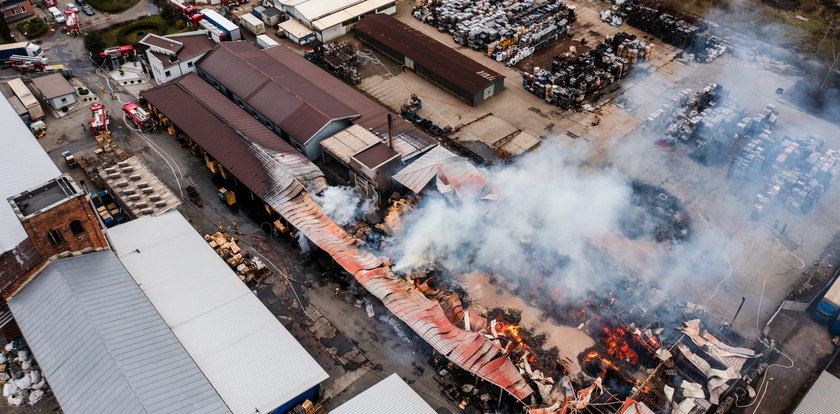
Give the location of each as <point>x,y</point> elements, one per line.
<point>227,196</point>
<point>38,128</point>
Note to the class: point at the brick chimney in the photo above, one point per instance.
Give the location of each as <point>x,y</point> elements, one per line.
<point>59,221</point>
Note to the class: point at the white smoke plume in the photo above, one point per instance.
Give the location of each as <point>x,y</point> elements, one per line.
<point>343,204</point>
<point>548,209</point>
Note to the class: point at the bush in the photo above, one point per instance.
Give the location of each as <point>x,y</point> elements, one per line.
<point>33,28</point>
<point>112,6</point>
<point>82,91</point>
<point>94,43</point>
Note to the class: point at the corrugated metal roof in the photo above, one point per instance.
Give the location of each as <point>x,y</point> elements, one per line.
<point>315,9</point>
<point>451,169</point>
<point>24,166</point>
<point>316,85</point>
<point>389,396</point>
<point>823,397</point>
<point>295,28</point>
<point>53,86</point>
<point>101,344</point>
<point>376,155</point>
<point>248,356</point>
<point>232,136</point>
<point>435,56</point>
<point>352,12</point>
<point>300,107</point>
<point>349,142</point>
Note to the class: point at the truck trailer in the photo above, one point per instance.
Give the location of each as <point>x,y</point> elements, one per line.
<point>230,30</point>
<point>27,49</point>
<point>828,309</point>
<point>265,42</point>
<point>252,24</point>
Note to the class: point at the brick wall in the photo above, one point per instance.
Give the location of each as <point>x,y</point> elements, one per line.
<point>73,225</point>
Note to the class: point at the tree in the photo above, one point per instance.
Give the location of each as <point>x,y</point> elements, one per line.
<point>5,32</point>
<point>94,43</point>
<point>168,13</point>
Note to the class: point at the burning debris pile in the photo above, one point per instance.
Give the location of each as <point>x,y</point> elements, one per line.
<point>798,170</point>
<point>507,31</point>
<point>708,121</point>
<point>341,59</point>
<point>655,213</point>
<point>574,76</point>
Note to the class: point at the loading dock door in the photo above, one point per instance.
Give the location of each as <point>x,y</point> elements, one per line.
<point>409,63</point>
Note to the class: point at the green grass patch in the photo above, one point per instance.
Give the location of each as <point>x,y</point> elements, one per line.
<point>112,6</point>
<point>131,33</point>
<point>33,28</point>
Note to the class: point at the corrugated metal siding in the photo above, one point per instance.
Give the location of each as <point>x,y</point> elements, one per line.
<point>24,166</point>
<point>823,397</point>
<point>102,345</point>
<point>389,396</point>
<point>248,356</point>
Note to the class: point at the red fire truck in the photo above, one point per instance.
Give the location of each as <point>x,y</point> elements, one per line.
<point>98,119</point>
<point>138,116</point>
<point>187,12</point>
<point>71,21</point>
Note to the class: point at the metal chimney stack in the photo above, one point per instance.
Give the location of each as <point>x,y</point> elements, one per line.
<point>391,130</point>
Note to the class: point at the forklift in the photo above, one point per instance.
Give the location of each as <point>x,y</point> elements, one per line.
<point>38,128</point>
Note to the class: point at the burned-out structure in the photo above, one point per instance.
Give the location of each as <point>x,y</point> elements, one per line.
<point>461,76</point>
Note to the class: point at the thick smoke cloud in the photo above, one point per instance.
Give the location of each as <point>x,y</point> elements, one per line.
<point>548,210</point>
<point>343,204</point>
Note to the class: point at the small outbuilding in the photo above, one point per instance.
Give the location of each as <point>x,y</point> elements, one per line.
<point>56,90</point>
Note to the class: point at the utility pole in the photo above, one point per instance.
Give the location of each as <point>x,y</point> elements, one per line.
<point>743,299</point>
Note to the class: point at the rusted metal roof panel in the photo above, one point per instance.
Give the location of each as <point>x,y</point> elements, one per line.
<point>455,68</point>
<point>450,168</point>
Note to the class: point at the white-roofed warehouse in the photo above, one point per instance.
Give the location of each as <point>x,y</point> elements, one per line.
<point>251,360</point>
<point>389,396</point>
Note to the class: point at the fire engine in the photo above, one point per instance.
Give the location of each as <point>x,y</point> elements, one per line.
<point>138,116</point>
<point>98,119</point>
<point>71,21</point>
<point>28,63</point>
<point>188,12</point>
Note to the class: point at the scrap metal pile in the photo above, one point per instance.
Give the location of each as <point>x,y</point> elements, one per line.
<point>707,120</point>
<point>507,30</point>
<point>655,212</point>
<point>574,76</point>
<point>798,170</point>
<point>19,374</point>
<point>250,270</point>
<point>683,31</point>
<point>341,59</point>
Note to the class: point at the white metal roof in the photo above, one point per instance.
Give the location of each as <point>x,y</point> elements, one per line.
<point>823,397</point>
<point>25,165</point>
<point>391,395</point>
<point>102,346</point>
<point>352,12</point>
<point>349,142</point>
<point>295,28</point>
<point>251,360</point>
<point>316,9</point>
<point>219,19</point>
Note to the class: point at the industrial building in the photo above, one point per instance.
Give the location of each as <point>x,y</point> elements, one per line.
<point>300,102</point>
<point>248,357</point>
<point>175,55</point>
<point>461,76</point>
<point>824,394</point>
<point>55,90</point>
<point>391,395</point>
<point>137,190</point>
<point>14,10</point>
<point>330,19</point>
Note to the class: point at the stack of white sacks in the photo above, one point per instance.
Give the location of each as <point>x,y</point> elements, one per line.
<point>22,381</point>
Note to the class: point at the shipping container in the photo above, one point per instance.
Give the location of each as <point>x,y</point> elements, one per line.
<point>265,42</point>
<point>252,24</point>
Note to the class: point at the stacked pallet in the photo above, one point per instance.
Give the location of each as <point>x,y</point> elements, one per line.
<point>250,270</point>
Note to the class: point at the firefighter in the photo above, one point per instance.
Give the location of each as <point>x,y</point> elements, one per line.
<point>84,128</point>
<point>108,114</point>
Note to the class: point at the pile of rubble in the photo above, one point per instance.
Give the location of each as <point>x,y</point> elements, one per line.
<point>19,375</point>
<point>341,59</point>
<point>250,270</point>
<point>800,170</point>
<point>508,31</point>
<point>708,120</point>
<point>574,76</point>
<point>655,213</point>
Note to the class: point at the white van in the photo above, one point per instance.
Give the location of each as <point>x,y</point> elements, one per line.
<point>56,14</point>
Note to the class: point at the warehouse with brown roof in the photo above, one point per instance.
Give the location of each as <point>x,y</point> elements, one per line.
<point>299,101</point>
<point>461,76</point>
